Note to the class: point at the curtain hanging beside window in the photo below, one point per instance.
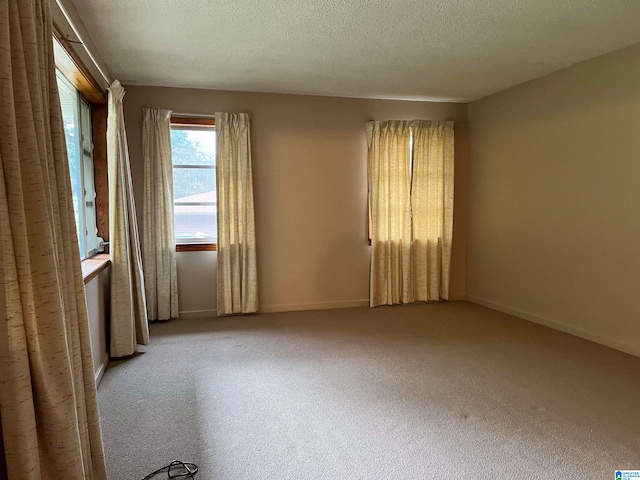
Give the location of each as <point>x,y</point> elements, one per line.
<point>391,278</point>
<point>410,172</point>
<point>158,248</point>
<point>50,420</point>
<point>129,324</point>
<point>237,270</point>
<point>432,208</point>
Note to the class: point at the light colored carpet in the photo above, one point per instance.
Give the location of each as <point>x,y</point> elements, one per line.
<point>432,391</point>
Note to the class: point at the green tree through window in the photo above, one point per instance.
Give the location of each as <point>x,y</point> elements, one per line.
<point>188,150</point>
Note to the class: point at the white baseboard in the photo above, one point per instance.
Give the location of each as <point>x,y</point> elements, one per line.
<point>547,322</point>
<point>103,368</point>
<point>198,313</point>
<point>295,307</point>
<point>292,307</point>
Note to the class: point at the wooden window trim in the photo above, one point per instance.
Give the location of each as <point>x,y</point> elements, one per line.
<point>75,71</point>
<point>205,122</point>
<point>196,247</point>
<point>100,169</point>
<point>91,267</point>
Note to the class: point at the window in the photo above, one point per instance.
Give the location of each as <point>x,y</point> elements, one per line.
<point>193,150</point>
<point>76,116</point>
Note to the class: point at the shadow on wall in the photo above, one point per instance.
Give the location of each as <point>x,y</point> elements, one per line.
<point>332,278</point>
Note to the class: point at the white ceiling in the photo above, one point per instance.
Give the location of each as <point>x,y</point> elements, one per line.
<point>457,50</point>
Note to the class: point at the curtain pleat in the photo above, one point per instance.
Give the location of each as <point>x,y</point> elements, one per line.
<point>391,279</point>
<point>129,324</point>
<point>50,420</point>
<point>237,269</point>
<point>432,207</point>
<point>158,247</point>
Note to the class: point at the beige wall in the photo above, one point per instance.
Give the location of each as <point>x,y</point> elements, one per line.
<point>197,274</point>
<point>554,200</point>
<point>98,305</point>
<point>309,160</point>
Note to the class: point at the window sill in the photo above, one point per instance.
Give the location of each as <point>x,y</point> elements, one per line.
<point>196,247</point>
<point>91,267</point>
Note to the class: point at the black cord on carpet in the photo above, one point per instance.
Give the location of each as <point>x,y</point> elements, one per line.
<point>177,469</point>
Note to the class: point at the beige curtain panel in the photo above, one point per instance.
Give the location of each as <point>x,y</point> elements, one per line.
<point>50,423</point>
<point>129,324</point>
<point>391,279</point>
<point>432,208</point>
<point>158,247</point>
<point>411,198</point>
<point>237,270</point>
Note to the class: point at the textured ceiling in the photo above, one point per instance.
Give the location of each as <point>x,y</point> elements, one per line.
<point>456,50</point>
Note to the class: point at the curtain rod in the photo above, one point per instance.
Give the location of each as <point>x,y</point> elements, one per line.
<point>197,115</point>
<point>81,41</point>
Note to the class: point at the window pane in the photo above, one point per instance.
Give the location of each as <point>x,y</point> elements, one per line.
<point>85,126</point>
<point>194,182</point>
<point>194,189</point>
<point>91,229</point>
<point>195,223</point>
<point>69,104</point>
<point>196,146</point>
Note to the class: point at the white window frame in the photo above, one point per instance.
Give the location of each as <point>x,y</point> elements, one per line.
<point>87,225</point>
<point>199,243</point>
